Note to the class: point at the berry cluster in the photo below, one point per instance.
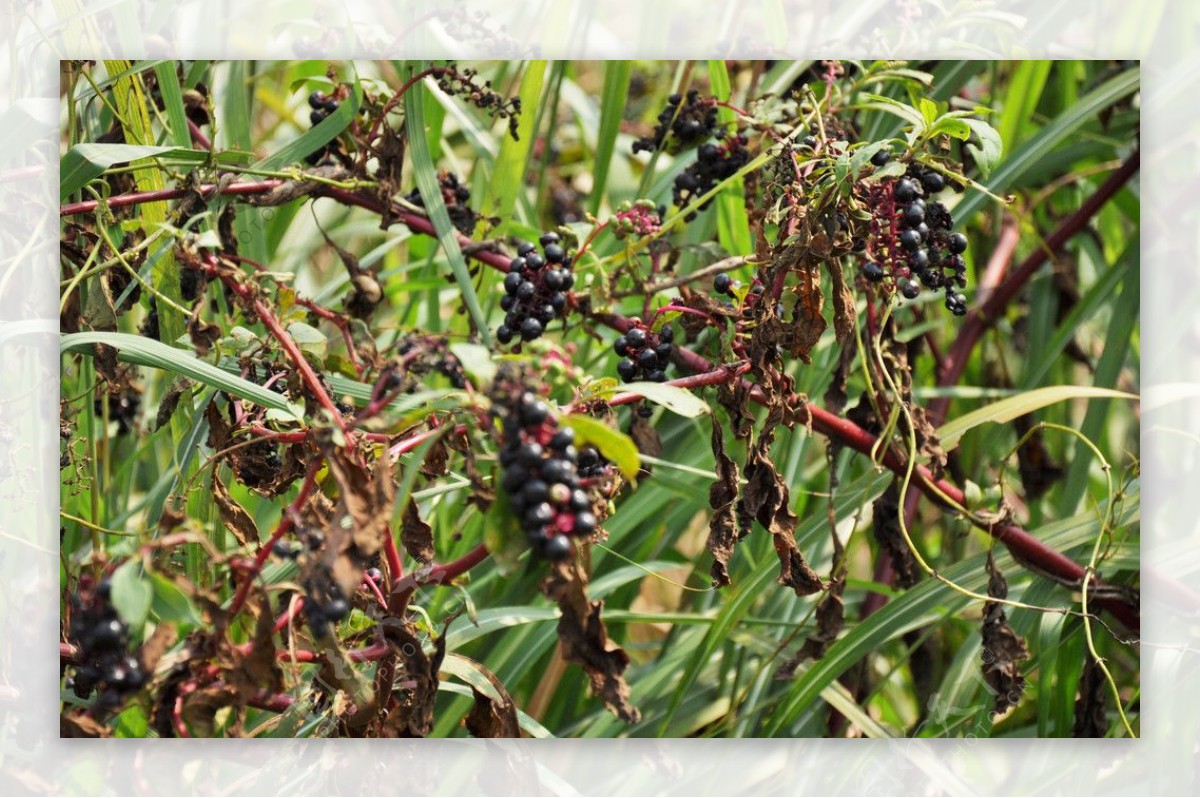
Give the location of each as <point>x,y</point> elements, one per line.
<point>322,106</point>
<point>641,218</point>
<point>103,648</point>
<point>542,470</point>
<point>535,289</point>
<point>911,238</point>
<point>423,355</point>
<point>646,354</point>
<point>690,124</point>
<point>714,163</point>
<point>455,196</point>
<point>464,83</point>
<point>324,603</point>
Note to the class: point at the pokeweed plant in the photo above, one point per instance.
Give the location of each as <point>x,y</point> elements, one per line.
<point>389,409</point>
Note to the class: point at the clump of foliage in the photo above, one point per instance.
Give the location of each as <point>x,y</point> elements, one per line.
<point>396,406</point>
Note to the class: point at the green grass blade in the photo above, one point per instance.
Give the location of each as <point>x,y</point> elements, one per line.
<point>617,75</point>
<point>172,95</point>
<point>154,354</point>
<point>508,178</point>
<point>425,174</point>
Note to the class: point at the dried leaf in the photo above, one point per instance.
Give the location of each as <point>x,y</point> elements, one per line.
<point>362,519</point>
<point>170,401</point>
<point>646,437</point>
<point>164,636</point>
<point>416,535</point>
<point>200,708</point>
<point>722,528</point>
<point>1091,719</point>
<point>585,641</point>
<point>886,523</point>
<point>843,304</point>
<point>79,724</point>
<point>412,713</point>
<point>1038,471</point>
<point>489,717</point>
<point>765,499</point>
<point>1003,648</point>
<point>203,335</point>
<point>233,515</point>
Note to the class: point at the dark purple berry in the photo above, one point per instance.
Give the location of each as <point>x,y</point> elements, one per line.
<point>904,190</point>
<point>504,334</point>
<point>585,523</point>
<point>722,283</point>
<point>957,243</point>
<point>910,240</point>
<point>881,157</point>
<point>562,438</point>
<point>554,253</point>
<point>556,548</point>
<point>554,279</point>
<point>627,370</point>
<point>872,271</point>
<point>636,338</point>
<point>911,289</point>
<point>530,329</point>
<point>933,182</point>
<point>621,346</point>
<point>512,281</point>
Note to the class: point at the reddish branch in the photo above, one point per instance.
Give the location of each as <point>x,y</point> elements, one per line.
<point>286,523</point>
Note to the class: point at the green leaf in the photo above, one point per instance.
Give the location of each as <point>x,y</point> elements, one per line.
<point>1007,409</point>
<point>316,137</point>
<point>132,594</point>
<point>617,75</point>
<point>145,352</point>
<point>906,112</point>
<point>308,338</point>
<point>987,153</point>
<point>678,400</point>
<point>616,446</point>
<point>172,96</point>
<point>928,110</point>
<point>476,361</point>
<point>425,174</point>
<point>172,604</point>
<point>85,162</point>
<point>508,179</point>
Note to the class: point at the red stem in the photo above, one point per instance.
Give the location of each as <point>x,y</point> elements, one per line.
<point>285,525</point>
<point>139,197</point>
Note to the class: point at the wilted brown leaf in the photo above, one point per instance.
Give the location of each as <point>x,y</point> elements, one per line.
<point>416,535</point>
<point>412,714</point>
<point>886,528</point>
<point>722,528</point>
<point>1091,719</point>
<point>233,515</point>
<point>765,499</point>
<point>1003,648</point>
<point>362,519</point>
<point>585,640</point>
